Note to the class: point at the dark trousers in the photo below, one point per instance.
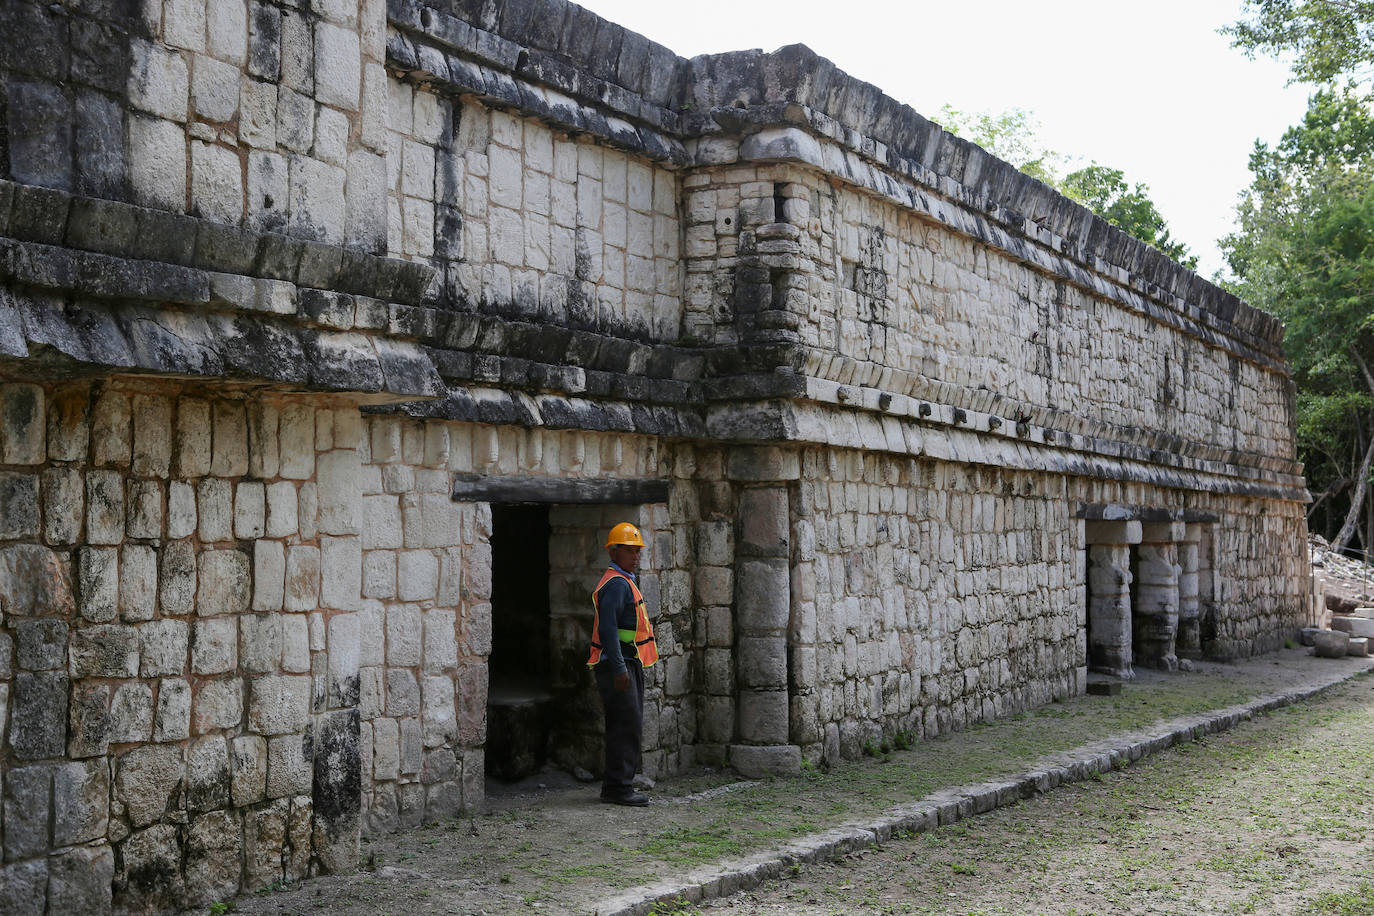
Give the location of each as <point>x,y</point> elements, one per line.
<point>624,725</point>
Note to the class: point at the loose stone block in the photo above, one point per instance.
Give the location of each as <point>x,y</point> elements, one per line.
<point>215,647</point>
<point>131,713</point>
<point>137,582</point>
<point>279,705</point>
<point>172,722</point>
<point>1331,643</point>
<point>224,582</point>
<point>98,577</point>
<point>146,779</point>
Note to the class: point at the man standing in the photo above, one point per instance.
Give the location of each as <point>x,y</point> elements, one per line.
<point>622,647</point>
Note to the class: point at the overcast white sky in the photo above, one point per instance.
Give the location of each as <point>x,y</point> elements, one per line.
<point>1151,89</point>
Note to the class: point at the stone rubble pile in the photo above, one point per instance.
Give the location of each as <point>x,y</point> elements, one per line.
<point>1346,588</point>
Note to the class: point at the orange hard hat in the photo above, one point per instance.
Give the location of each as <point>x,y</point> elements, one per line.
<point>625,535</point>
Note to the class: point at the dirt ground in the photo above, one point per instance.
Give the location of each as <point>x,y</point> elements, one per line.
<point>548,846</point>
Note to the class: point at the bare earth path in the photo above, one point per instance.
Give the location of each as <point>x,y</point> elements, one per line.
<point>1191,830</point>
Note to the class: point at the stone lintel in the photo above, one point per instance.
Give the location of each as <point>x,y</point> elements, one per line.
<point>1163,532</point>
<point>756,761</point>
<point>1112,532</point>
<point>763,464</point>
<point>503,489</point>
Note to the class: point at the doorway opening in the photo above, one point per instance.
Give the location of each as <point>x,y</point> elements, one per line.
<point>518,692</point>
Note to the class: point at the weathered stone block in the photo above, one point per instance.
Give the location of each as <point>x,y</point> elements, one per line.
<point>34,581</point>
<point>207,774</point>
<point>18,505</point>
<point>150,875</point>
<point>379,573</point>
<point>302,589</point>
<point>403,635</point>
<point>289,765</point>
<point>163,647</point>
<point>104,507</point>
<point>22,425</point>
<point>146,779</point>
<point>137,582</point>
<point>131,713</point>
<point>215,647</point>
<point>341,583</point>
<point>90,720</point>
<point>172,721</point>
<point>81,802</point>
<point>756,762</point>
<point>402,693</point>
<point>269,575</point>
<point>193,438</point>
<point>417,575</point>
<point>214,509</point>
<point>182,520</point>
<point>763,716</point>
<point>106,650</point>
<point>80,879</point>
<point>763,596</point>
<point>337,791</point>
<point>218,704</point>
<point>248,764</point>
<point>177,578</point>
<point>214,856</point>
<point>338,66</point>
<point>63,505</point>
<point>279,705</point>
<point>264,839</point>
<point>24,887</point>
<point>338,475</point>
<point>42,644</point>
<point>152,443</point>
<point>27,794</point>
<point>224,583</point>
<point>98,577</point>
<point>344,652</point>
<point>250,511</point>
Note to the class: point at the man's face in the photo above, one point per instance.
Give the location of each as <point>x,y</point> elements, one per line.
<point>627,558</point>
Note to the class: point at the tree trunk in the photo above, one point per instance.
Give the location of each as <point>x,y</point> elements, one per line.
<point>1352,518</point>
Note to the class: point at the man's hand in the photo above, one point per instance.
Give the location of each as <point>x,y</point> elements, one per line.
<point>622,681</point>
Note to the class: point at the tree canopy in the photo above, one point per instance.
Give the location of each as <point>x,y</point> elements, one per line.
<point>1327,39</point>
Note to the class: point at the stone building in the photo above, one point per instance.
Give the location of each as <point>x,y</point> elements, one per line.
<point>334,335</point>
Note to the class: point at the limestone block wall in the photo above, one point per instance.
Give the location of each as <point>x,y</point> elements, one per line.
<point>251,113</point>
<point>181,642</point>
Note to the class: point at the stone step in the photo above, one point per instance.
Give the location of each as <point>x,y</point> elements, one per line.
<point>1358,645</point>
<point>1355,626</point>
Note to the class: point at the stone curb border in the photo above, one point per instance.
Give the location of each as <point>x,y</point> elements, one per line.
<point>955,803</point>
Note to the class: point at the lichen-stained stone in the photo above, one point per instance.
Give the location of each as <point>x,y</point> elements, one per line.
<point>146,780</point>
<point>279,705</point>
<point>63,505</point>
<point>144,509</point>
<point>214,856</point>
<point>302,591</point>
<point>230,442</point>
<point>177,578</point>
<point>224,582</point>
<point>104,650</point>
<point>193,438</point>
<point>150,878</point>
<point>173,718</point>
<point>98,576</point>
<point>104,507</point>
<point>337,791</point>
<point>131,713</point>
<point>344,651</point>
<point>181,510</point>
<point>24,886</point>
<point>22,424</point>
<point>402,693</point>
<point>152,446</point>
<point>341,562</point>
<point>317,202</point>
<point>264,839</point>
<point>289,765</point>
<point>214,649</point>
<point>281,509</point>
<point>18,505</point>
<point>260,643</point>
<point>338,476</point>
<point>250,510</point>
<point>159,82</point>
<point>137,582</point>
<point>207,774</point>
<point>111,429</point>
<point>69,422</point>
<point>81,802</point>
<point>90,720</point>
<point>217,704</point>
<point>214,509</point>
<point>27,791</point>
<point>42,644</point>
<point>163,647</point>
<point>80,879</point>
<point>248,769</point>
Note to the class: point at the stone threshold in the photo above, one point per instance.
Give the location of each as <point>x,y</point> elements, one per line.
<point>955,803</point>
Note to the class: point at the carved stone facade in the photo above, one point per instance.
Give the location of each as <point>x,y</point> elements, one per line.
<point>333,336</point>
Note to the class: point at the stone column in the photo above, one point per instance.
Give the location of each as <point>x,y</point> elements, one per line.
<point>1109,595</point>
<point>1189,640</point>
<point>762,612</point>
<point>1156,595</point>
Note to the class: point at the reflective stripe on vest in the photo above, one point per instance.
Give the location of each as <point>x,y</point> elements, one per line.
<point>642,636</point>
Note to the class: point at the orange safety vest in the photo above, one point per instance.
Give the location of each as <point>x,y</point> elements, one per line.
<point>642,635</point>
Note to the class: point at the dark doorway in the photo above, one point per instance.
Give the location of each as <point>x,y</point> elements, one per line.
<point>518,669</point>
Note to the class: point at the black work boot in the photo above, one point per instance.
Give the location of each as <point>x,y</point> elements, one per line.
<point>628,797</point>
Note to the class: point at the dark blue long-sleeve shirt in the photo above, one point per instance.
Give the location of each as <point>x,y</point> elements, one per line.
<point>615,605</point>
